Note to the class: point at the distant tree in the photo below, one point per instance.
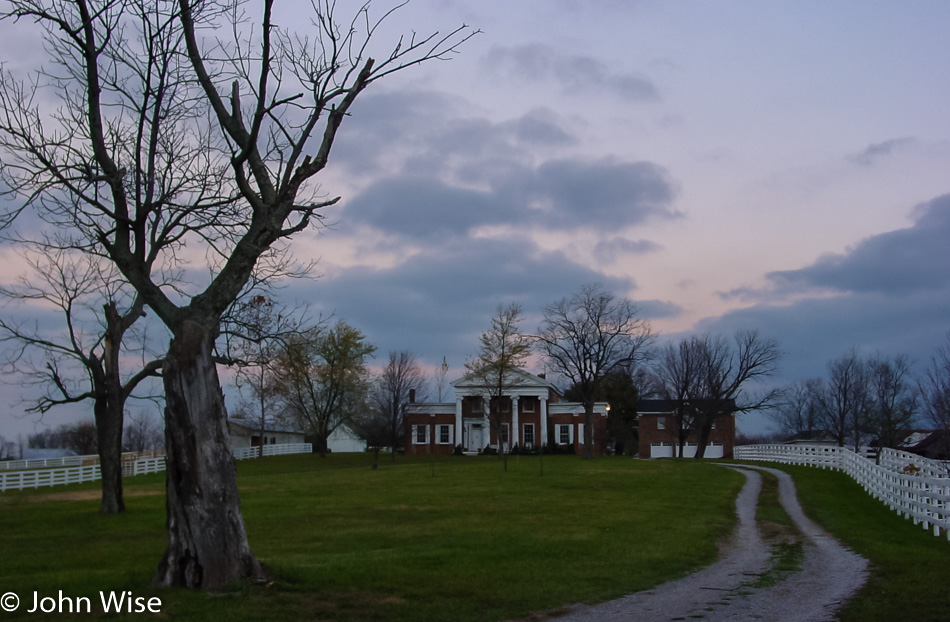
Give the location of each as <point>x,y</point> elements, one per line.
<point>81,437</point>
<point>708,375</point>
<point>798,411</point>
<point>142,432</point>
<point>676,378</point>
<point>893,399</point>
<point>81,360</point>
<point>934,387</point>
<point>844,400</point>
<point>399,382</point>
<point>504,349</point>
<point>588,336</point>
<point>322,378</point>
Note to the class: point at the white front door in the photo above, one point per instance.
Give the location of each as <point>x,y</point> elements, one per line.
<point>474,437</point>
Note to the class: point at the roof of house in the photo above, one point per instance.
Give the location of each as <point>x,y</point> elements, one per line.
<point>936,446</point>
<point>518,378</point>
<point>660,406</point>
<point>252,426</point>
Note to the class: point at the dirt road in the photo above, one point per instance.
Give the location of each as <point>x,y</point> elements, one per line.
<point>748,582</point>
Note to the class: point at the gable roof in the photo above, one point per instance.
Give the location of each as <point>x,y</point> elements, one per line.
<point>518,377</point>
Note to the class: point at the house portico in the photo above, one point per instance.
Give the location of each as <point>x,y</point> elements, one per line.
<point>523,417</point>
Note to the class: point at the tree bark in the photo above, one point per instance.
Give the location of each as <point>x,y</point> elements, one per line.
<point>588,451</point>
<point>109,439</point>
<point>207,542</point>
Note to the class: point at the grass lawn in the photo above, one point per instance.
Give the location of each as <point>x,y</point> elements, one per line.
<point>909,566</point>
<point>425,539</point>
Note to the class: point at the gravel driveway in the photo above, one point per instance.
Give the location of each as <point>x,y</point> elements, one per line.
<point>829,574</point>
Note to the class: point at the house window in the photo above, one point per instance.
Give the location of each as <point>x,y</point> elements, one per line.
<point>273,440</point>
<point>444,434</point>
<point>564,434</point>
<point>529,435</point>
<point>504,433</point>
<point>661,423</point>
<point>529,405</point>
<point>420,435</point>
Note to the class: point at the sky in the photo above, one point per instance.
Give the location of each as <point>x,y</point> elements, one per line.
<point>727,165</point>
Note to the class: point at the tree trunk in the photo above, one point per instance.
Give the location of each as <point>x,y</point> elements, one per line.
<point>588,452</point>
<point>207,543</point>
<point>109,437</point>
<point>704,433</point>
<point>109,412</point>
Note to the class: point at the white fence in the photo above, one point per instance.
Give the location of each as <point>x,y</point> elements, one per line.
<point>273,450</point>
<point>20,480</point>
<point>65,461</point>
<point>914,487</point>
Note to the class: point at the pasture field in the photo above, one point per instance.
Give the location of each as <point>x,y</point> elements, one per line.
<point>451,538</point>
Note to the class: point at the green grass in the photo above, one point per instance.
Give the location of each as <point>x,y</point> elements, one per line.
<point>909,566</point>
<point>426,539</point>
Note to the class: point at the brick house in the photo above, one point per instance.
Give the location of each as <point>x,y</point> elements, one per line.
<point>531,414</point>
<point>658,427</point>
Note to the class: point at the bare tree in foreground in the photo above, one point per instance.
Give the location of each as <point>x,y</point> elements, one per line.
<point>166,151</point>
<point>588,336</point>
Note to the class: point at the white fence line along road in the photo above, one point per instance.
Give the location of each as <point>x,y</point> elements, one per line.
<point>916,488</point>
<point>19,480</point>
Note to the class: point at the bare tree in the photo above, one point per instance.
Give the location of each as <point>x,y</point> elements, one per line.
<point>892,396</point>
<point>588,336</point>
<point>726,370</point>
<point>142,432</point>
<point>676,378</point>
<point>504,349</point>
<point>400,381</point>
<point>81,359</point>
<point>706,376</point>
<point>798,412</point>
<point>322,378</point>
<point>163,141</point>
<point>934,387</point>
<point>844,401</point>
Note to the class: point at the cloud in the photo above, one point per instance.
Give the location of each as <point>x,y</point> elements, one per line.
<point>438,301</point>
<point>876,151</point>
<point>602,195</point>
<point>573,74</point>
<point>890,293</point>
<point>608,250</point>
<point>896,263</point>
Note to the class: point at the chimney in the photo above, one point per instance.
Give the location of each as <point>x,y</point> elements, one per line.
<point>412,396</point>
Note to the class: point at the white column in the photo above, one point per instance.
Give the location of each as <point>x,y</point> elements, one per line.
<point>544,422</point>
<point>458,421</point>
<point>514,421</point>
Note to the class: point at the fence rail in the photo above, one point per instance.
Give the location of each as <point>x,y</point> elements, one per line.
<point>137,464</point>
<point>65,461</point>
<point>916,488</point>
